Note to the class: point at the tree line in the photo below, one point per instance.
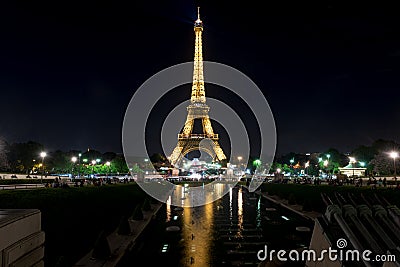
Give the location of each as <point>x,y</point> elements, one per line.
<point>375,158</point>
<point>25,158</point>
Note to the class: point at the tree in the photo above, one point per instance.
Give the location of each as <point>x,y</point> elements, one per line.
<point>382,164</point>
<point>4,164</point>
<point>364,153</point>
<point>108,156</point>
<point>120,165</point>
<point>59,162</point>
<point>335,160</point>
<point>23,156</point>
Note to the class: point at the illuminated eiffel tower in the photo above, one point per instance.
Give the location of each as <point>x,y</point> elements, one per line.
<point>198,109</point>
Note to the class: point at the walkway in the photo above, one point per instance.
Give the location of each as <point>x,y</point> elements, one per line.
<point>311,215</point>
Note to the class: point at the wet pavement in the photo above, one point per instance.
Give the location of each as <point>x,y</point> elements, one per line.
<point>226,232</point>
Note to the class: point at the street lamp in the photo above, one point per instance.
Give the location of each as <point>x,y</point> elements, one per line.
<point>108,165</point>
<point>352,161</point>
<point>79,163</point>
<point>43,155</point>
<point>328,156</point>
<point>256,163</point>
<point>362,164</point>
<point>306,166</point>
<point>291,166</point>
<point>394,155</point>
<point>239,159</point>
<point>73,159</point>
<point>93,163</point>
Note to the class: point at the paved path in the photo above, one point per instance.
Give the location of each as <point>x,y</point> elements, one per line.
<point>311,215</point>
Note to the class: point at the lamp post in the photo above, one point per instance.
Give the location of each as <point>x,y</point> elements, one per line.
<point>326,162</point>
<point>79,165</point>
<point>362,164</point>
<point>42,155</point>
<point>352,161</point>
<point>328,156</point>
<point>108,165</point>
<point>306,166</point>
<point>256,164</point>
<point>93,163</point>
<point>239,159</point>
<point>394,155</point>
<point>291,165</point>
<point>73,159</point>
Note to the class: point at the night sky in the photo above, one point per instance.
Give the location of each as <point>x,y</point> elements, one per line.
<point>329,70</point>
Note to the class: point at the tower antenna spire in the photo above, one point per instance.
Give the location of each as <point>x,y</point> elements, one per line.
<point>198,13</point>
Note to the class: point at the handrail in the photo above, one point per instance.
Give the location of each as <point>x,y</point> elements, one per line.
<point>20,186</point>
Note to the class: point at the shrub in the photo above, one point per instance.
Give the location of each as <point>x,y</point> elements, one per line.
<point>101,248</point>
<point>146,205</point>
<point>124,227</point>
<point>137,214</point>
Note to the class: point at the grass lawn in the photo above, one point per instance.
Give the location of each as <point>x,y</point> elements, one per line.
<point>310,195</point>
<point>72,218</point>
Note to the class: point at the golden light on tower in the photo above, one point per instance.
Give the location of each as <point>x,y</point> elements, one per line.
<point>198,109</point>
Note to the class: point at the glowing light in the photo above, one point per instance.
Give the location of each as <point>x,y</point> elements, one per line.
<point>43,154</point>
<point>165,248</point>
<point>187,140</point>
<point>352,160</point>
<point>257,162</point>
<point>108,163</point>
<point>74,159</point>
<point>285,218</point>
<point>394,154</point>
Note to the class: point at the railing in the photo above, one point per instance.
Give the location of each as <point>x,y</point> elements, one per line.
<point>20,186</point>
<point>197,136</point>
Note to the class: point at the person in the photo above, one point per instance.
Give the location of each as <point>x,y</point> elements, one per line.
<point>384,182</point>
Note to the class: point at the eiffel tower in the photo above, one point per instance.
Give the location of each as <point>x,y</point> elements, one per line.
<point>198,109</point>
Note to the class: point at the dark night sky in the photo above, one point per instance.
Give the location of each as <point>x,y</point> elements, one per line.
<point>329,70</point>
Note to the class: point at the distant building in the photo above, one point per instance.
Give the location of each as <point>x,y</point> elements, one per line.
<point>351,170</point>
